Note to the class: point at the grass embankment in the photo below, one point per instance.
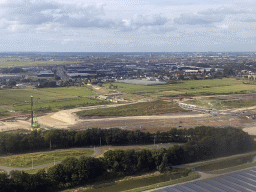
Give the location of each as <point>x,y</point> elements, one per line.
<point>225,165</point>
<point>139,182</point>
<point>25,160</point>
<point>190,87</point>
<point>145,108</point>
<point>191,176</point>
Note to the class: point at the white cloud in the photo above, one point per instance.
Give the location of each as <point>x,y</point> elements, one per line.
<point>197,19</point>
<point>148,20</point>
<point>223,11</point>
<point>249,20</point>
<point>27,11</point>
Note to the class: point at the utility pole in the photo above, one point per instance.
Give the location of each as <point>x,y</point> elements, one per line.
<point>100,141</point>
<point>32,111</point>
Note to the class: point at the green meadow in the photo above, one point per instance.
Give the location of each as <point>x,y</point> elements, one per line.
<point>47,99</point>
<point>40,158</point>
<point>17,62</point>
<point>145,108</point>
<point>3,113</point>
<point>190,87</point>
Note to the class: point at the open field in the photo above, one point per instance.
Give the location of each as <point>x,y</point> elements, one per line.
<point>59,105</point>
<point>144,108</point>
<point>25,160</point>
<point>83,91</point>
<point>47,99</point>
<point>22,95</point>
<point>17,62</point>
<point>34,171</point>
<point>191,87</point>
<point>4,113</point>
<point>223,102</point>
<point>164,122</point>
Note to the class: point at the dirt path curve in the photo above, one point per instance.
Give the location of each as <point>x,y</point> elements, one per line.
<point>250,130</point>
<point>66,118</point>
<point>152,117</point>
<point>97,151</point>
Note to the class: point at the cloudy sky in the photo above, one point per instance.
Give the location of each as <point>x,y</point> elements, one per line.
<point>127,25</point>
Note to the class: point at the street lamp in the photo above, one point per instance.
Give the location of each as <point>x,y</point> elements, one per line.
<point>32,111</point>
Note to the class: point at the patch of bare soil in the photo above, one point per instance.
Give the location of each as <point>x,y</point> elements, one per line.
<point>15,125</point>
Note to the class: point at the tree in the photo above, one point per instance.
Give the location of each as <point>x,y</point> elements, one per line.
<point>181,77</point>
<point>57,77</point>
<point>5,183</point>
<point>164,166</point>
<point>11,83</point>
<point>56,175</point>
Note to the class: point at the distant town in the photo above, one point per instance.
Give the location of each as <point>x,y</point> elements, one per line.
<point>137,68</point>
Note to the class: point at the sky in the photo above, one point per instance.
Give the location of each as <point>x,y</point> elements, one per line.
<point>127,25</point>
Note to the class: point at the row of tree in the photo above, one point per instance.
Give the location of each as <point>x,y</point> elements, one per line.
<point>205,143</point>
<point>55,139</point>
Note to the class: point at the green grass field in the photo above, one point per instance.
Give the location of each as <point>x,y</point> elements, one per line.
<point>17,62</point>
<point>3,113</point>
<point>25,160</point>
<point>54,99</point>
<point>59,105</point>
<point>34,171</point>
<point>72,91</point>
<point>145,108</point>
<point>47,99</point>
<point>191,87</point>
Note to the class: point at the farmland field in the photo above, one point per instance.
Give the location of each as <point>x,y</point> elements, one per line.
<point>57,105</point>
<point>71,91</point>
<point>17,62</point>
<point>192,87</point>
<point>47,99</point>
<point>25,160</point>
<point>145,108</point>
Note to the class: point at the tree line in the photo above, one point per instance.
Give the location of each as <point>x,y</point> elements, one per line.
<point>57,139</point>
<point>204,143</point>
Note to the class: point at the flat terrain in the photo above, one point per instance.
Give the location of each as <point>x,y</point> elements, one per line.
<point>59,106</point>
<point>17,62</point>
<point>25,160</point>
<point>47,99</point>
<point>191,87</point>
<point>138,109</point>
